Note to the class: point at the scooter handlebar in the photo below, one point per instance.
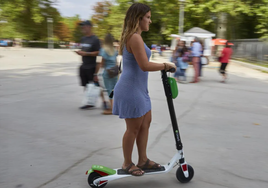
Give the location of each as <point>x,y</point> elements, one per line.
<point>170,70</point>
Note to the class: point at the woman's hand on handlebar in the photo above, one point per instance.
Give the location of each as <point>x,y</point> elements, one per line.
<point>170,67</point>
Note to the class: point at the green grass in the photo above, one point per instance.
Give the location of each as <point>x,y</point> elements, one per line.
<point>264,71</point>
<point>262,64</point>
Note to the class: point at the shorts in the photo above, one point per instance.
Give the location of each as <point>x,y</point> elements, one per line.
<point>223,68</point>
<point>86,75</point>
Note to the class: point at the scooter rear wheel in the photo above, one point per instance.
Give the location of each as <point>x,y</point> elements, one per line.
<point>92,176</point>
<point>180,175</point>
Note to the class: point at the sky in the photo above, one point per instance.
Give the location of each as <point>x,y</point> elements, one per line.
<point>69,8</point>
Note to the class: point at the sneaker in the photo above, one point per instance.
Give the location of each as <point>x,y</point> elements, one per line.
<point>86,107</point>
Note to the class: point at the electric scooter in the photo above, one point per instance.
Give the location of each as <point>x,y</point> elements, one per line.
<point>99,176</point>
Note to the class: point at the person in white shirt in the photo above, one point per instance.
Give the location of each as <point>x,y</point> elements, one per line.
<point>196,53</point>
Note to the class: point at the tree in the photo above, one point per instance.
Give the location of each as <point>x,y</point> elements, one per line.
<point>7,30</point>
<point>240,18</point>
<point>62,31</point>
<point>77,34</point>
<point>260,9</point>
<point>99,18</point>
<point>29,17</point>
<point>70,22</point>
<point>237,19</point>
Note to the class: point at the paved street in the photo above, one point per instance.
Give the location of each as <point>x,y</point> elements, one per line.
<point>47,142</point>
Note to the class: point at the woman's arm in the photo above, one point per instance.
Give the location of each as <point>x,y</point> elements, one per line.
<point>102,64</point>
<point>136,45</point>
<point>99,63</point>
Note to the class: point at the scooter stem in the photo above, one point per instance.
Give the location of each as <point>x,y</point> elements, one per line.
<point>171,110</point>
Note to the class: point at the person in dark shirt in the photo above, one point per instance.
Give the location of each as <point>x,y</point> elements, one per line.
<point>90,46</point>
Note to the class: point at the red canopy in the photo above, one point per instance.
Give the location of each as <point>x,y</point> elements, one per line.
<point>221,42</point>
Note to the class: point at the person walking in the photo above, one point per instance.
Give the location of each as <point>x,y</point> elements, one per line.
<point>196,52</point>
<point>175,52</point>
<point>131,98</point>
<point>224,59</point>
<point>174,57</point>
<point>90,46</point>
<point>200,59</point>
<point>181,62</point>
<point>109,55</point>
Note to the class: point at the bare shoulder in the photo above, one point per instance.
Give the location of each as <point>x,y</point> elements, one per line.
<point>135,39</point>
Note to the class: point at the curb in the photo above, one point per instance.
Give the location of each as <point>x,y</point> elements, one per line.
<point>256,67</point>
<point>213,66</point>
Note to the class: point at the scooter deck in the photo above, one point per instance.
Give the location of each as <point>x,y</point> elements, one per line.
<point>147,171</point>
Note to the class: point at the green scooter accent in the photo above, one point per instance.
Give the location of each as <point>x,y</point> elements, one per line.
<point>174,87</point>
<point>89,171</point>
<point>103,169</point>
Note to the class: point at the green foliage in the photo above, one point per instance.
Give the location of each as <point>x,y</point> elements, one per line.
<point>62,32</point>
<point>261,11</point>
<point>74,29</point>
<point>28,18</point>
<point>77,33</point>
<point>71,22</point>
<point>246,18</point>
<point>38,45</point>
<point>9,31</point>
<point>101,21</point>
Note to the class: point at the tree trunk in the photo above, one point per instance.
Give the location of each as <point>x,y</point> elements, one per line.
<point>222,25</point>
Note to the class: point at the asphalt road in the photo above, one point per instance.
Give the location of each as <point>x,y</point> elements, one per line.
<point>47,142</point>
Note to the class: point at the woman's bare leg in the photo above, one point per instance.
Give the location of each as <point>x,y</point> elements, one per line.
<point>142,139</point>
<point>133,127</point>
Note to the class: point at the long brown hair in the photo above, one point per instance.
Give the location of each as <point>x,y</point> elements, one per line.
<point>108,44</point>
<point>131,23</point>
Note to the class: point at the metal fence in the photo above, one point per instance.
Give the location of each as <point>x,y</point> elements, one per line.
<point>252,50</point>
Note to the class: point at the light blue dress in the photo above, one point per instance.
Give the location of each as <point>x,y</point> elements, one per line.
<point>110,61</point>
<point>131,97</point>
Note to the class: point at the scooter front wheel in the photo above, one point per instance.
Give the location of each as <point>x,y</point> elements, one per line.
<point>93,176</point>
<point>180,175</point>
